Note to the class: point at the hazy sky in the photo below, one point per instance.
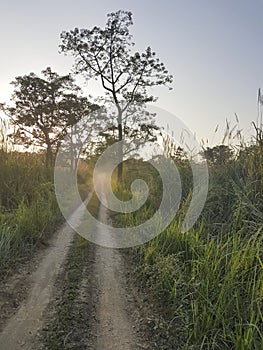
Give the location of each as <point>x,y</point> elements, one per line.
<point>214,49</point>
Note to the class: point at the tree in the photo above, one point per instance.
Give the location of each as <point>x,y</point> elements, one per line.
<point>45,108</point>
<point>218,155</point>
<point>105,54</point>
<point>138,128</point>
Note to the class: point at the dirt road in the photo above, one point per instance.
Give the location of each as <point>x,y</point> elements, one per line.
<point>22,328</point>
<point>113,326</point>
<point>115,329</point>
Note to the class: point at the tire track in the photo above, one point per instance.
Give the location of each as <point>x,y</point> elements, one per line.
<point>21,330</point>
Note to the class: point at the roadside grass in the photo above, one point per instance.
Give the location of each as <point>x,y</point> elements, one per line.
<point>213,285</point>
<point>28,209</point>
<point>29,212</point>
<point>210,278</point>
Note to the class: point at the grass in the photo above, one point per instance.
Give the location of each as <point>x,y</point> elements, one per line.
<point>211,277</point>
<point>214,286</point>
<point>29,212</point>
<point>28,207</point>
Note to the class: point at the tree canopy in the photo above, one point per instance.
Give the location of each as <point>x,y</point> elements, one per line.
<point>106,54</point>
<point>45,108</point>
<point>218,155</point>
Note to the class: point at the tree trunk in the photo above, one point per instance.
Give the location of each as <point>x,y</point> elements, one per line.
<point>120,149</point>
<point>49,155</point>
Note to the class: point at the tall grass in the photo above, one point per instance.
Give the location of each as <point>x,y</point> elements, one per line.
<point>211,277</point>
<point>214,285</point>
<point>28,207</point>
<point>29,212</point>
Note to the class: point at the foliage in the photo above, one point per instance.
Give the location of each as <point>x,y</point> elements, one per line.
<point>218,155</point>
<point>28,207</point>
<point>105,54</point>
<point>45,108</point>
<point>210,278</point>
<point>29,212</point>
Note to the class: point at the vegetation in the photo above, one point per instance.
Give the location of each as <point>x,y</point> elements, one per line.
<point>105,54</point>
<point>29,212</point>
<point>211,277</point>
<point>45,109</point>
<point>28,207</point>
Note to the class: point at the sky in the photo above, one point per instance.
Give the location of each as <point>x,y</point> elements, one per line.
<point>214,50</point>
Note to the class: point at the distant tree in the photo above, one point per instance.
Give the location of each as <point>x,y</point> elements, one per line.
<point>45,108</point>
<point>218,155</point>
<point>105,54</point>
